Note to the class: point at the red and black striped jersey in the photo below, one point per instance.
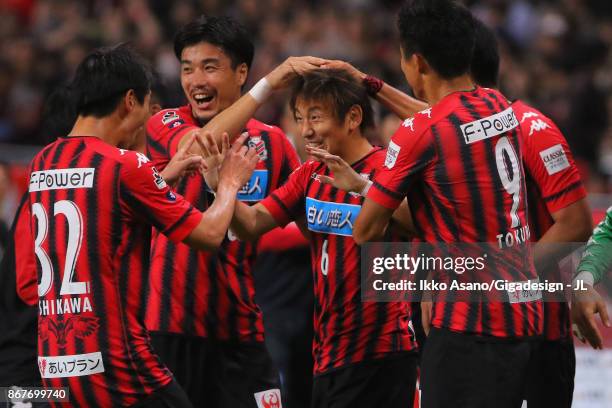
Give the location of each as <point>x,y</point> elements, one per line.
<point>346,330</point>
<point>210,294</point>
<point>93,206</point>
<point>553,183</point>
<point>459,165</point>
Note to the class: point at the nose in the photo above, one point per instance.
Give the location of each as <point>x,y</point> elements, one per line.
<point>199,78</point>
<point>306,130</point>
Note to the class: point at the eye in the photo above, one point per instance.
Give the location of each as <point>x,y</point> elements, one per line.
<point>298,120</point>
<point>315,118</point>
<point>210,68</point>
<point>186,70</point>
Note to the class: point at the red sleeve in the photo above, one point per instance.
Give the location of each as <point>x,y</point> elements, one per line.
<point>165,130</point>
<point>145,195</point>
<point>26,274</point>
<point>408,154</point>
<point>549,162</point>
<point>286,203</point>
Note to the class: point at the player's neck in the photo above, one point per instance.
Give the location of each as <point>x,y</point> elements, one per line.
<point>355,149</point>
<point>437,88</point>
<point>103,128</point>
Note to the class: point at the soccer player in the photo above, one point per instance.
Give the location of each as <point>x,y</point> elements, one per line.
<point>93,204</point>
<point>558,212</point>
<point>362,351</point>
<point>459,191</point>
<point>209,309</point>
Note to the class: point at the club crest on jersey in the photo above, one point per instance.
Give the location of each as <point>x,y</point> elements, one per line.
<point>490,126</point>
<point>392,153</point>
<point>257,143</point>
<point>268,399</point>
<point>169,116</point>
<point>79,326</point>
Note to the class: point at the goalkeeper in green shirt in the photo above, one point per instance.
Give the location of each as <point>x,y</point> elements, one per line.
<point>595,264</point>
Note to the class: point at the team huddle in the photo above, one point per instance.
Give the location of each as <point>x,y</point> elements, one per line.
<point>138,232</point>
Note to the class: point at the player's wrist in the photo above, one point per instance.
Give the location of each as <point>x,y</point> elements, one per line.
<point>364,187</point>
<point>261,90</point>
<point>372,84</point>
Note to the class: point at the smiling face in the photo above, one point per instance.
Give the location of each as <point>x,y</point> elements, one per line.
<point>208,79</point>
<point>319,126</point>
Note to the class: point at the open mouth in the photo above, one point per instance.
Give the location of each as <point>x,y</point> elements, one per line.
<point>202,100</point>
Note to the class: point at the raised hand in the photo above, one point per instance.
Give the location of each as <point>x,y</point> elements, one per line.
<point>182,163</point>
<point>344,66</point>
<point>345,178</point>
<point>585,305</point>
<point>282,75</point>
<point>238,165</point>
<point>212,157</point>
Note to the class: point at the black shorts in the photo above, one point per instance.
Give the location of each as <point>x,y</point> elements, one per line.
<point>465,371</point>
<point>388,382</point>
<point>217,374</point>
<point>170,396</point>
<point>551,376</point>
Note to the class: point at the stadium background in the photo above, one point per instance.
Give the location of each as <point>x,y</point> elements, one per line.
<point>555,55</point>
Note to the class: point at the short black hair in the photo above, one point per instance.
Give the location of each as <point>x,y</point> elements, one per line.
<point>442,31</point>
<point>485,59</point>
<point>222,31</point>
<point>59,113</point>
<point>337,88</point>
<point>104,76</point>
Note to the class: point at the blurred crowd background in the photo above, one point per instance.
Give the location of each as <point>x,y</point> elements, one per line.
<point>555,55</point>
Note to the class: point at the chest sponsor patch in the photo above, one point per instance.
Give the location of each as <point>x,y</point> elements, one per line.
<point>490,126</point>
<point>255,189</point>
<point>331,218</point>
<point>74,365</point>
<point>392,152</point>
<point>554,159</point>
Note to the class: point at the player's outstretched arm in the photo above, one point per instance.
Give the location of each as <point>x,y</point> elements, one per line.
<point>251,222</point>
<point>235,171</point>
<point>371,222</point>
<point>233,119</point>
<point>347,179</point>
<point>573,223</point>
<point>401,104</point>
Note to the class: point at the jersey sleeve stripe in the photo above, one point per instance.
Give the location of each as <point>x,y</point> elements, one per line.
<point>571,187</point>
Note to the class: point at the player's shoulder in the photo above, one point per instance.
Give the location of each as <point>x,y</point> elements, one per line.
<point>419,124</point>
<point>170,118</point>
<point>532,121</point>
<point>256,128</point>
<point>128,159</point>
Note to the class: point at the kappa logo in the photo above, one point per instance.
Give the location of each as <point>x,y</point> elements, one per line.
<point>269,399</point>
<point>392,153</point>
<point>169,117</point>
<point>142,159</point>
<point>426,112</point>
<point>257,143</point>
<point>528,115</point>
<point>80,326</point>
<point>409,123</point>
<point>537,125</point>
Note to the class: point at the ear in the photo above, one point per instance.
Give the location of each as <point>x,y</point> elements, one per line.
<point>129,100</point>
<point>354,117</point>
<point>421,64</point>
<point>242,72</point>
